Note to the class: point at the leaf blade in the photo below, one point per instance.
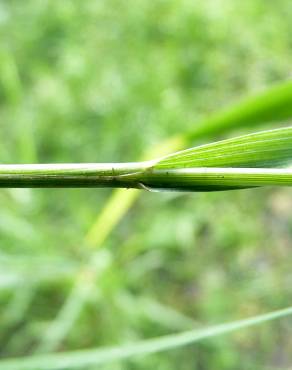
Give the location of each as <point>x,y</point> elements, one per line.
<point>77,359</point>
<point>265,149</point>
<point>271,105</point>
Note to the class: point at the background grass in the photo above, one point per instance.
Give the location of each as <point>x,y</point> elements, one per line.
<point>103,81</point>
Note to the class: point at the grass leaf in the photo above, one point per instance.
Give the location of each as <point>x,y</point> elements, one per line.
<point>78,359</point>
<point>270,105</point>
<point>272,148</point>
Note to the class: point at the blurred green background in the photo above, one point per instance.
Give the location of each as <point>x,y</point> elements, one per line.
<point>103,81</point>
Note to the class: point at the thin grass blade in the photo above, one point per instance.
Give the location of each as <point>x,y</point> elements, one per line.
<point>86,358</point>
<point>271,105</point>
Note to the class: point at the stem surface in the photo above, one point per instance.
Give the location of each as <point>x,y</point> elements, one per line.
<point>140,175</point>
<point>70,175</point>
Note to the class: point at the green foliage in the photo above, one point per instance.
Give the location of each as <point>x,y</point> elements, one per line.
<point>101,81</point>
<point>217,166</point>
<point>79,359</point>
<point>263,149</point>
<point>273,105</point>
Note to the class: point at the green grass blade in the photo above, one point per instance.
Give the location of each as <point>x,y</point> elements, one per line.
<point>271,105</point>
<point>85,358</point>
<point>272,148</point>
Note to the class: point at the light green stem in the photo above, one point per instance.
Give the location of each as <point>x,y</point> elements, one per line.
<point>70,175</point>
<point>213,179</point>
<point>141,175</point>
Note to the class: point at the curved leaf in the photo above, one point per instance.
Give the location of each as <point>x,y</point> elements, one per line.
<point>94,357</point>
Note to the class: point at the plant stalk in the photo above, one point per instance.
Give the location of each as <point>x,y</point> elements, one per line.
<point>213,178</point>
<point>81,175</point>
<point>140,175</point>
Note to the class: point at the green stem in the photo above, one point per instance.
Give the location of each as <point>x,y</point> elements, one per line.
<point>140,175</point>
<point>70,175</point>
<point>212,179</point>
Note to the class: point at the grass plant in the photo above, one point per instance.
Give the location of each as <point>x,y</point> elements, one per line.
<point>124,278</point>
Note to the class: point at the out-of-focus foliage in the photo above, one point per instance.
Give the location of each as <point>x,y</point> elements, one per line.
<point>101,81</point>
